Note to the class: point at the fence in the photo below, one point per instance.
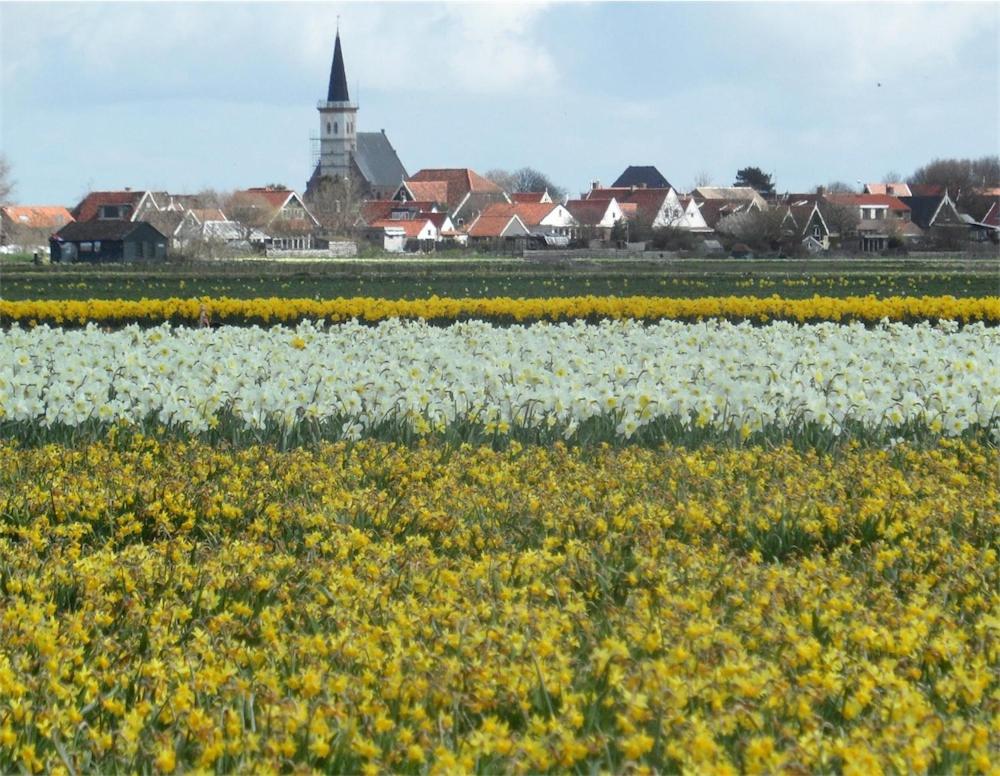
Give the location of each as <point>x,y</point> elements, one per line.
<point>340,249</point>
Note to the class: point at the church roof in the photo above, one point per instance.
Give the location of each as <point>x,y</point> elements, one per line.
<point>377,160</point>
<point>338,77</point>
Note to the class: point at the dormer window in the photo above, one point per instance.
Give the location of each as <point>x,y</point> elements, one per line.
<point>111,212</point>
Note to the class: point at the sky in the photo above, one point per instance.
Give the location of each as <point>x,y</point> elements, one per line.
<point>185,96</point>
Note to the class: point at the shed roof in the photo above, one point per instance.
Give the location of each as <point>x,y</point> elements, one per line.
<point>103,230</point>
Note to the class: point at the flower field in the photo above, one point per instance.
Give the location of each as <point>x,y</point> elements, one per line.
<point>380,607</point>
<point>500,536</point>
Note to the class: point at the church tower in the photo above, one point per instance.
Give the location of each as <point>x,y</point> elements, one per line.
<point>338,139</point>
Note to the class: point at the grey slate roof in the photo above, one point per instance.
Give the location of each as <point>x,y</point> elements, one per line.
<point>377,160</point>
<point>647,176</point>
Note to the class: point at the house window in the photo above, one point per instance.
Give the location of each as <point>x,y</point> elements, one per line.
<point>110,211</point>
<point>328,127</point>
<point>86,247</point>
<point>97,246</point>
<point>817,232</point>
<point>335,127</point>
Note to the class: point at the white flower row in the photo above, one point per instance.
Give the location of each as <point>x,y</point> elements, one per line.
<point>716,373</point>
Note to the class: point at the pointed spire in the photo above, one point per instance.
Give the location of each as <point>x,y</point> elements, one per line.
<point>338,78</point>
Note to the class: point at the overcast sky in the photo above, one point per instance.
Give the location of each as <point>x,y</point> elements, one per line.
<point>183,96</point>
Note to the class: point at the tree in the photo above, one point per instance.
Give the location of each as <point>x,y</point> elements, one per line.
<point>893,176</point>
<point>6,182</point>
<point>525,179</point>
<point>960,176</point>
<point>755,178</point>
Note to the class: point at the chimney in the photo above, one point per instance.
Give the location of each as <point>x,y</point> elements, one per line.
<point>595,185</point>
<point>383,130</point>
<point>642,185</point>
<point>128,188</point>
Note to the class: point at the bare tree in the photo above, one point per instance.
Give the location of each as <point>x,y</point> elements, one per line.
<point>839,187</point>
<point>6,182</point>
<point>525,179</point>
<point>841,220</point>
<point>336,205</point>
<point>892,176</point>
<point>702,179</point>
<point>960,176</point>
<point>762,230</point>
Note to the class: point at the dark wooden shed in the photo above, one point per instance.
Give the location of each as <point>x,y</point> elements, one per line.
<point>108,241</point>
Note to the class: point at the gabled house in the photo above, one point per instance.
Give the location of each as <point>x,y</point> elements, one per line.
<point>507,230</point>
<point>804,222</point>
<point>125,205</point>
<point>882,219</point>
<point>461,192</point>
<point>279,213</point>
<point>655,208</point>
<point>547,221</point>
<point>108,240</point>
<point>691,218</point>
<point>30,226</point>
<point>530,196</point>
<point>420,229</point>
<point>930,210</point>
<point>595,217</point>
<point>644,177</point>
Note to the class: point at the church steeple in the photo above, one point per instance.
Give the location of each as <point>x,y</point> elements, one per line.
<point>338,78</point>
<point>338,139</point>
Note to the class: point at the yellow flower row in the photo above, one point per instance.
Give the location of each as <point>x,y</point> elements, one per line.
<point>374,608</point>
<point>276,310</point>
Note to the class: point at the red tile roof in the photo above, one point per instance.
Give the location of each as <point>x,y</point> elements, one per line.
<point>992,216</point>
<point>377,209</point>
<point>608,193</point>
<point>458,181</point>
<point>38,216</point>
<point>589,212</point>
<point>208,214</point>
<point>869,200</point>
<point>926,190</point>
<point>275,198</point>
<point>411,227</point>
<point>490,226</point>
<point>527,196</point>
<point>432,191</point>
<point>892,189</point>
<point>530,213</point>
<point>89,207</point>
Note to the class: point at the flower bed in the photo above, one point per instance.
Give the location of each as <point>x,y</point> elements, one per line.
<point>616,380</point>
<point>502,310</point>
